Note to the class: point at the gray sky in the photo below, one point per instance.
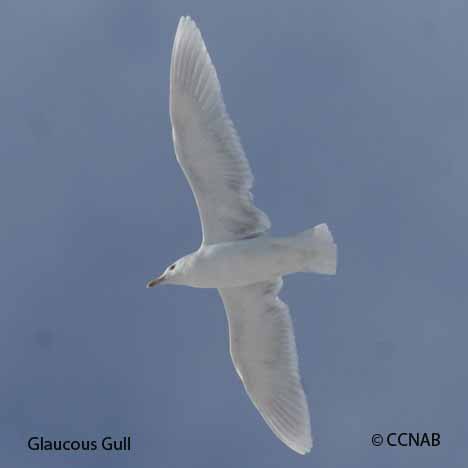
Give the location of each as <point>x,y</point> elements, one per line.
<point>351,113</point>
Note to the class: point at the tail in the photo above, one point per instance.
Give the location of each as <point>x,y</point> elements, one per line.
<point>321,249</point>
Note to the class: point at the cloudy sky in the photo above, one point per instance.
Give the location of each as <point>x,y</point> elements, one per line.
<point>351,113</point>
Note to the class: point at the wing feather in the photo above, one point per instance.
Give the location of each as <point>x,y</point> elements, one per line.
<point>263,351</point>
<point>207,146</point>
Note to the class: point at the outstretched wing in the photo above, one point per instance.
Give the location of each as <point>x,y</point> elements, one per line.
<point>207,146</point>
<point>263,350</point>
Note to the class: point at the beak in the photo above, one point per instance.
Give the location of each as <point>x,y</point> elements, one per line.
<point>155,281</point>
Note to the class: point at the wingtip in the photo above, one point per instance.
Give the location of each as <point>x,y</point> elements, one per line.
<point>301,449</point>
<point>186,20</point>
<point>186,25</point>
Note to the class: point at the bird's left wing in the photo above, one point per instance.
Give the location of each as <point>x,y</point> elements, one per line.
<point>263,350</point>
<point>206,143</point>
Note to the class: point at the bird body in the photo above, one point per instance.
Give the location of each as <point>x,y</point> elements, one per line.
<point>238,255</point>
<point>263,258</point>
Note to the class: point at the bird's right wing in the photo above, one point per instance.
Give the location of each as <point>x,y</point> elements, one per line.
<point>207,146</point>
<point>263,350</point>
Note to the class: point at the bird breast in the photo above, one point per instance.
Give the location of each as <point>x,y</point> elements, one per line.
<point>235,264</point>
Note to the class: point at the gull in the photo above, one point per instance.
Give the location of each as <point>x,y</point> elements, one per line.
<point>238,255</point>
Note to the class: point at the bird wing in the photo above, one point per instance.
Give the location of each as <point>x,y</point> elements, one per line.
<point>207,145</point>
<point>263,350</point>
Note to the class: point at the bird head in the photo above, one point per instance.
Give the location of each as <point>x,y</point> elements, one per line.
<point>172,274</point>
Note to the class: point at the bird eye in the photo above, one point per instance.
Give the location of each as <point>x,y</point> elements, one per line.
<point>171,267</point>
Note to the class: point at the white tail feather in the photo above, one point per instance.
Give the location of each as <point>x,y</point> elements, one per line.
<point>321,249</point>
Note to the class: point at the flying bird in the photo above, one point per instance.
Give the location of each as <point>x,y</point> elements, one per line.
<point>238,255</point>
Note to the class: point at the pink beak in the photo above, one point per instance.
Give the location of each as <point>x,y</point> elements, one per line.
<point>155,281</point>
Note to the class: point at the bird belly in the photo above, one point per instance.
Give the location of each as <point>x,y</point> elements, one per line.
<point>235,264</point>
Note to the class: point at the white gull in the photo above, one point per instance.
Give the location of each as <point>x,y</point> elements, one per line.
<point>238,256</point>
